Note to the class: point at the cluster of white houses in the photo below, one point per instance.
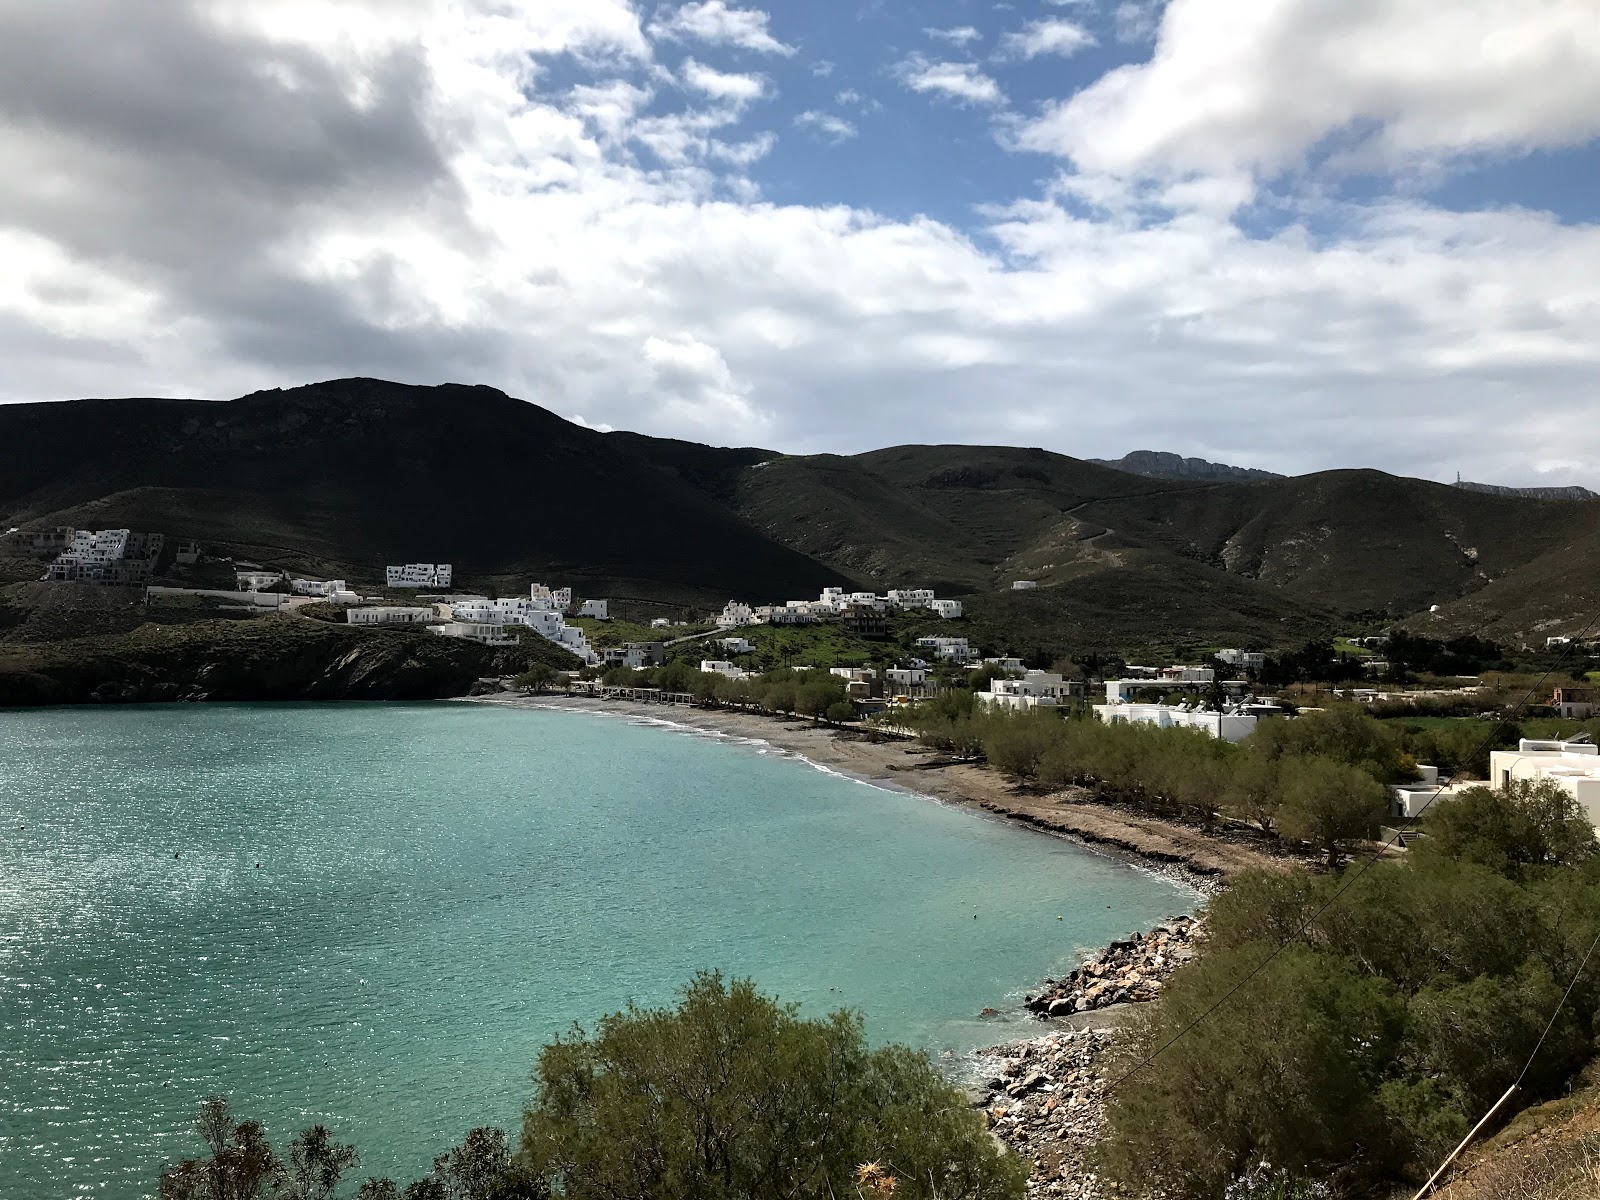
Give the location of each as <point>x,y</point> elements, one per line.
<point>496,622</point>
<point>836,603</point>
<point>114,557</point>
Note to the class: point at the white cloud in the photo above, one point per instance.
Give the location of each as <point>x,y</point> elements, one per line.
<point>823,68</point>
<point>392,198</point>
<point>959,81</point>
<point>713,22</point>
<point>1048,36</point>
<point>827,126</point>
<point>963,35</point>
<point>740,89</point>
<point>1259,86</point>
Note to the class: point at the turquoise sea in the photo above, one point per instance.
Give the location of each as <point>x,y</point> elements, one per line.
<point>373,915</point>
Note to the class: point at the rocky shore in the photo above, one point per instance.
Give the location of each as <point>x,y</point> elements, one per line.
<point>1044,1097</point>
<point>1130,971</point>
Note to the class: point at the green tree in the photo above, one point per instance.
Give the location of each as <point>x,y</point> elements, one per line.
<point>536,678</point>
<point>1528,824</point>
<point>242,1165</point>
<point>731,1095</point>
<point>316,1164</point>
<point>1330,804</point>
<point>1286,1072</point>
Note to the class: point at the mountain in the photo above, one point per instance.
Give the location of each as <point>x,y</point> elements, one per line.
<point>1530,493</point>
<point>342,477</point>
<point>1158,464</point>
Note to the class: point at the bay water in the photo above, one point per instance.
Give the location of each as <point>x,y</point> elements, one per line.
<point>373,916</point>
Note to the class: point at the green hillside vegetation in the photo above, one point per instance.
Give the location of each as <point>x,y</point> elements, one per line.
<point>1316,781</point>
<point>727,1096</point>
<point>1361,1051</point>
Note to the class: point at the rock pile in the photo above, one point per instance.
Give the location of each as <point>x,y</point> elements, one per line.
<point>1043,1098</point>
<point>1128,971</point>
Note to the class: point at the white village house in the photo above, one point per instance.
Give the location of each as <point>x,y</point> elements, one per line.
<point>1233,726</point>
<point>1036,689</point>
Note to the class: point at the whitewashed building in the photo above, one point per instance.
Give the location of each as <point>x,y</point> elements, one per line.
<point>1005,664</point>
<point>1036,689</point>
<point>598,609</point>
<point>391,615</point>
<point>948,609</point>
<point>948,649</point>
<point>255,581</point>
<point>1575,766</point>
<point>1245,660</point>
<point>782,614</point>
<point>1024,585</point>
<point>905,678</point>
<point>419,575</point>
<point>1231,726</point>
<point>735,645</point>
<point>736,614</point>
<point>854,674</point>
<point>713,666</point>
<point>1187,674</point>
<point>910,598</point>
<point>319,587</point>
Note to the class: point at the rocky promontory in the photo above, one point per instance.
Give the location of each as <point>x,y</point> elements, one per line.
<point>1129,971</point>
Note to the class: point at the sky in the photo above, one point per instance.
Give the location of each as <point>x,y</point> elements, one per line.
<point>1288,234</point>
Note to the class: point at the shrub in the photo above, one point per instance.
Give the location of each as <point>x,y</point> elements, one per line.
<point>732,1095</point>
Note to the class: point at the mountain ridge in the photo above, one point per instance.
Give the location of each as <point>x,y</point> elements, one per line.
<point>342,476</point>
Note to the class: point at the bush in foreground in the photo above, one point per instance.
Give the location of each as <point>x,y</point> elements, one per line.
<point>1358,1038</point>
<point>728,1095</point>
<point>734,1095</point>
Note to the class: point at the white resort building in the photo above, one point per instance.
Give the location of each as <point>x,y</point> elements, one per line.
<point>419,575</point>
<point>1036,689</point>
<point>116,557</point>
<point>596,609</point>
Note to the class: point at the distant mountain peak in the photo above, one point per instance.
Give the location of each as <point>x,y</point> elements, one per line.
<point>1159,464</point>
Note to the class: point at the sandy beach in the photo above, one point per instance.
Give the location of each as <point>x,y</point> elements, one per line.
<point>1203,861</point>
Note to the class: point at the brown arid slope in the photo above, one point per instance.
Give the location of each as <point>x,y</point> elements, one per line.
<point>1549,1152</point>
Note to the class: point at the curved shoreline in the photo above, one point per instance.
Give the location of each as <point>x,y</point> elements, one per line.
<point>1197,860</point>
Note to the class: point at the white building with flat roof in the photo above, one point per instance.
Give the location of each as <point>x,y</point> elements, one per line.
<point>1575,766</point>
<point>419,575</point>
<point>948,609</point>
<point>1245,660</point>
<point>714,666</point>
<point>1023,585</point>
<point>949,649</point>
<point>598,609</point>
<point>735,645</point>
<point>1036,689</point>
<point>386,614</point>
<point>254,581</point>
<point>1231,726</point>
<point>909,598</point>
<point>905,678</point>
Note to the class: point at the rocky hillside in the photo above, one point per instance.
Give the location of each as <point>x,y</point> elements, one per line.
<point>1158,464</point>
<point>266,658</point>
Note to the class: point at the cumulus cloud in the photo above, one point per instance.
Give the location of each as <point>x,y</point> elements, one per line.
<point>720,85</point>
<point>241,198</point>
<point>962,35</point>
<point>828,126</point>
<point>960,81</point>
<point>713,22</point>
<point>1047,36</point>
<point>1260,86</point>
